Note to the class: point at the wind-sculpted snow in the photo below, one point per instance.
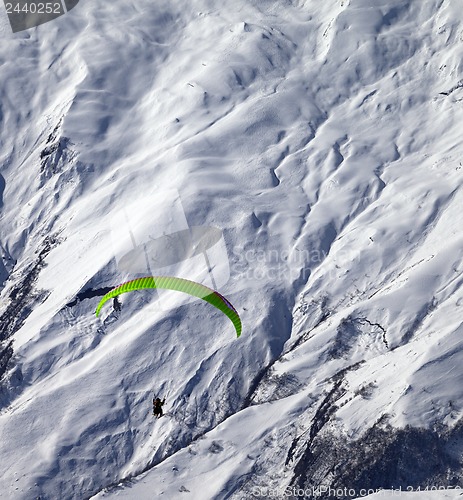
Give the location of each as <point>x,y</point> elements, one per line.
<point>323,140</point>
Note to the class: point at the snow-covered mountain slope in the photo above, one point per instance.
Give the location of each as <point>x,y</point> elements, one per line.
<point>323,140</point>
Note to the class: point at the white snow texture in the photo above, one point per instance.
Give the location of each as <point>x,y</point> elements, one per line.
<point>323,139</point>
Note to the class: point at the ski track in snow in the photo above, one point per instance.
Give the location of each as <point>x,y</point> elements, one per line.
<point>325,141</point>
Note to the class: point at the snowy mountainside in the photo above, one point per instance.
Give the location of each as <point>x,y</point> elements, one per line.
<point>323,140</point>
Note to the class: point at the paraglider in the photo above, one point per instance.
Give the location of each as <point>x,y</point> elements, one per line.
<point>157,407</point>
<point>181,285</point>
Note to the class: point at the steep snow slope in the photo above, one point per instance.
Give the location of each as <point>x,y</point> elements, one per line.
<point>324,141</point>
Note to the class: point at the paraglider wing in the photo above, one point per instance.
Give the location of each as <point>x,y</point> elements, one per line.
<point>181,285</point>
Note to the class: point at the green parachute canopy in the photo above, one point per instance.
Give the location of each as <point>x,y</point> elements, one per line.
<point>181,285</point>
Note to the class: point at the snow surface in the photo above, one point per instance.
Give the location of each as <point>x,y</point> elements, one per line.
<point>324,140</point>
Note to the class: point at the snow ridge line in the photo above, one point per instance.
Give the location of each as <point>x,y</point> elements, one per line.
<point>18,308</point>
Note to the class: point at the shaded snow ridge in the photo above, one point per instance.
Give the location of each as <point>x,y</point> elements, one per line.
<point>304,159</point>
